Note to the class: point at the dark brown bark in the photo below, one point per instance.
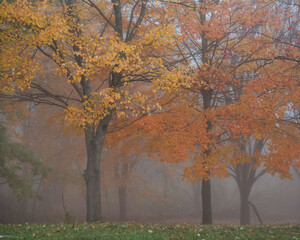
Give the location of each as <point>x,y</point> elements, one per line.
<point>207,96</point>
<point>206,187</point>
<point>117,6</point>
<point>244,208</point>
<point>206,202</point>
<point>95,139</point>
<point>92,179</point>
<point>94,145</point>
<point>245,175</point>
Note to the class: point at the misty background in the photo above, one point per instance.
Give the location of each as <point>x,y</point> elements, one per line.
<point>156,191</point>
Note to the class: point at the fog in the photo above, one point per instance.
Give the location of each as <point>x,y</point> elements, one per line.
<point>156,191</point>
<point>158,198</point>
<point>214,86</point>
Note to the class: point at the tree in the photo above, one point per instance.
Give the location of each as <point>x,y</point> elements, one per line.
<point>247,173</point>
<point>98,47</point>
<point>238,77</point>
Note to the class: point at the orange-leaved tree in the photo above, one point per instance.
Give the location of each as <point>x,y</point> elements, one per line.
<point>239,75</point>
<point>274,144</point>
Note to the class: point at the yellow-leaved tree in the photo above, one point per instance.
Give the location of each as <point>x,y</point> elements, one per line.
<point>98,49</point>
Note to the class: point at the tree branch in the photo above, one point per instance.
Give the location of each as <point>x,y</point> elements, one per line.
<point>138,22</point>
<point>92,4</point>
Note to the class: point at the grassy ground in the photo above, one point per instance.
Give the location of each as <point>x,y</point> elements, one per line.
<point>132,231</point>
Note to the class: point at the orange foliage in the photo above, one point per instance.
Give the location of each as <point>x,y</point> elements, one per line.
<point>253,87</point>
<point>223,61</point>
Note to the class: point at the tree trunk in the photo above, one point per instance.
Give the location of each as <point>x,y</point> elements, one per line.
<point>206,202</point>
<point>123,202</point>
<point>94,145</point>
<point>206,188</point>
<point>92,178</point>
<point>245,176</point>
<point>244,208</point>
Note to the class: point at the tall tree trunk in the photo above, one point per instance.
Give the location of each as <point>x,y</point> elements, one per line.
<point>206,202</point>
<point>92,178</point>
<point>245,181</point>
<point>206,187</point>
<point>207,96</point>
<point>245,176</point>
<point>94,135</point>
<point>123,202</point>
<point>94,145</point>
<point>244,208</point>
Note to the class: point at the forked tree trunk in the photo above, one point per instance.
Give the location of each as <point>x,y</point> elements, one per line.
<point>94,145</point>
<point>206,202</point>
<point>245,175</point>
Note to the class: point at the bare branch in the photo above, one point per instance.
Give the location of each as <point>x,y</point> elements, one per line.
<point>92,4</point>
<point>138,22</point>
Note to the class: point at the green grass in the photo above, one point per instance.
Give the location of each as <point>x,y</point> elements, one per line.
<point>132,231</point>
